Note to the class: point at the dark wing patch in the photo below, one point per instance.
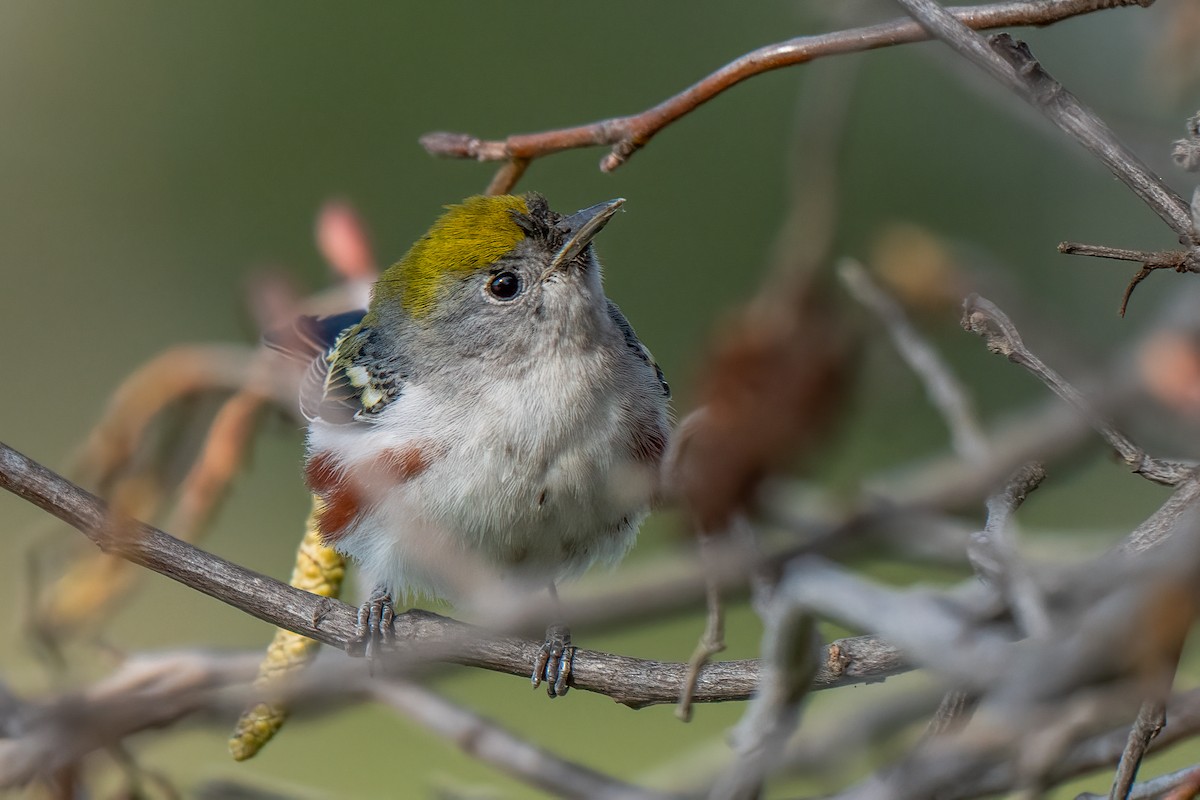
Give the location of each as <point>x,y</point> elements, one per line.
<point>349,377</point>
<point>635,344</point>
<point>353,381</point>
<point>310,337</point>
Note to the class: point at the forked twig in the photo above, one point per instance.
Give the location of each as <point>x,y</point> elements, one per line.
<point>984,318</point>
<point>626,135</point>
<point>1149,723</point>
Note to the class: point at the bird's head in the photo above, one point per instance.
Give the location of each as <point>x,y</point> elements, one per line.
<point>501,276</point>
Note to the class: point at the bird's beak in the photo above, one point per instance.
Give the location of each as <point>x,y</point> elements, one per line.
<point>581,227</point>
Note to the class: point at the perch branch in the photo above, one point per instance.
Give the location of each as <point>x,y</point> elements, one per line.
<point>631,681</point>
<point>1178,260</point>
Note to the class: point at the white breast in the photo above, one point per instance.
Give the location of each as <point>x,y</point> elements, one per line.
<point>532,477</point>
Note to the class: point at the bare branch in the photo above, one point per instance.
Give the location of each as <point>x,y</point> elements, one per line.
<point>627,135</point>
<point>1164,787</point>
<point>983,318</point>
<point>993,551</point>
<point>1164,521</point>
<point>1011,63</point>
<point>1150,720</point>
<point>1093,753</point>
<point>147,692</point>
<point>1178,260</point>
<point>790,649</point>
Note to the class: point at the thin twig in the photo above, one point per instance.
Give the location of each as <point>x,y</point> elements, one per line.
<point>711,642</point>
<point>1178,260</point>
<point>631,681</point>
<point>791,646</point>
<point>1156,259</point>
<point>488,742</point>
<point>993,551</point>
<point>1011,63</point>
<point>945,392</point>
<point>984,318</point>
<point>953,712</point>
<point>1149,723</point>
<point>1164,787</point>
<point>627,135</point>
<point>507,176</point>
<point>1093,753</point>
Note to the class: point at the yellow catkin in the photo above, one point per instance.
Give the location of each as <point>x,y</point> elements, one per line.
<point>320,570</point>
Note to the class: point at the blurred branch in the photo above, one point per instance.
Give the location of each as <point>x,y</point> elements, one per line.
<point>944,390</point>
<point>633,682</point>
<point>150,692</point>
<point>146,692</point>
<point>791,646</point>
<point>490,743</point>
<point>1092,753</point>
<point>627,135</point>
<point>173,374</point>
<point>1150,720</point>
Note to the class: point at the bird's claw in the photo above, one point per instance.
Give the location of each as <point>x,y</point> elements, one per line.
<point>375,618</point>
<point>554,661</point>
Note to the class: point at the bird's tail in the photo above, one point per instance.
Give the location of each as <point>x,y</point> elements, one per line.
<point>320,570</point>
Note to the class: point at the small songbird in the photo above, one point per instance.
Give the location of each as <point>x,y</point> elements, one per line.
<point>492,409</point>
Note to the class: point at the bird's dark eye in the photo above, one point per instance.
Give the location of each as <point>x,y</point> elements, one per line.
<point>504,286</point>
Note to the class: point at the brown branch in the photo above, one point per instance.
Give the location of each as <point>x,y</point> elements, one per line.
<point>1178,260</point>
<point>631,681</point>
<point>627,135</point>
<point>1010,62</point>
<point>983,318</point>
<point>171,375</point>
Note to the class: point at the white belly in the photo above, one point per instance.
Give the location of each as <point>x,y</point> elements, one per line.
<point>526,483</point>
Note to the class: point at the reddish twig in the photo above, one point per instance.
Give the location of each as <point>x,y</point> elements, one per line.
<point>627,135</point>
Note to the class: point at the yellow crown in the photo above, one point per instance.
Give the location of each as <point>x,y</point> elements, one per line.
<point>468,237</point>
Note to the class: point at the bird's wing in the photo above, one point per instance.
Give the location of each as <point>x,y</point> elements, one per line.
<point>347,380</point>
<point>635,344</point>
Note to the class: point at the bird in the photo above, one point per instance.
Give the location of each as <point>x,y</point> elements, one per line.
<point>490,410</point>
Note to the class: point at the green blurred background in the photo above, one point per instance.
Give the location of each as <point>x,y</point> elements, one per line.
<point>154,155</point>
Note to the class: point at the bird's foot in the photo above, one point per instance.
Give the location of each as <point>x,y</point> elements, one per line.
<point>554,660</point>
<point>374,631</point>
